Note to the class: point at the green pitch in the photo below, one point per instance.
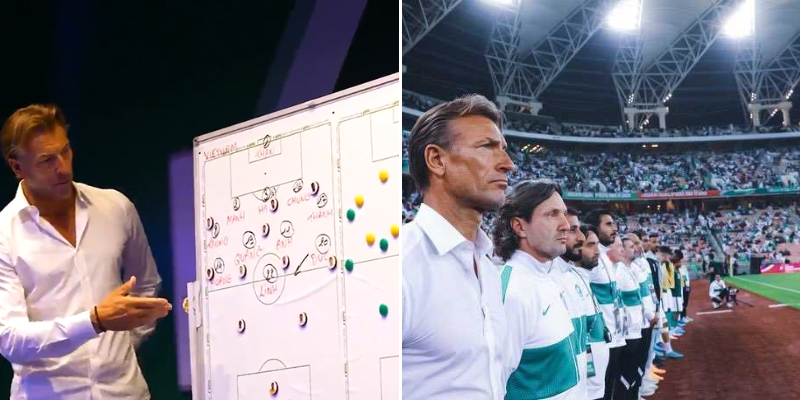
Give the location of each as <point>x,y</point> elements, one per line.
<point>783,288</point>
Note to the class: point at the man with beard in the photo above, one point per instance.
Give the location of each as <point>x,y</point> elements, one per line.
<point>453,323</point>
<point>605,289</point>
<point>599,336</point>
<point>576,293</point>
<point>530,232</point>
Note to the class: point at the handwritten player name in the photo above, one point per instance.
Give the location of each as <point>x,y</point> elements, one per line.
<point>265,152</point>
<point>221,280</point>
<point>321,214</point>
<point>298,199</point>
<point>283,243</point>
<point>217,242</point>
<point>318,259</point>
<point>238,217</point>
<point>248,255</point>
<point>266,289</point>
<point>219,151</point>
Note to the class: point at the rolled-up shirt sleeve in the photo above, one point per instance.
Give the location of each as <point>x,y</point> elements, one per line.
<point>138,261</point>
<point>23,341</point>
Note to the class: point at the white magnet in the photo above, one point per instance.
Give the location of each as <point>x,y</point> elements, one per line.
<point>209,223</point>
<point>285,260</point>
<point>241,325</point>
<point>265,230</point>
<point>242,271</point>
<point>273,204</point>
<point>273,388</point>
<point>210,273</point>
<point>314,187</point>
<point>332,262</point>
<point>303,319</point>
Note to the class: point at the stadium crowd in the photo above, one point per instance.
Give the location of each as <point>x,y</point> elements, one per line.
<point>423,103</point>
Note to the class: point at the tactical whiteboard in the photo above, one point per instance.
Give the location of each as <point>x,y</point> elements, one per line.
<point>297,292</point>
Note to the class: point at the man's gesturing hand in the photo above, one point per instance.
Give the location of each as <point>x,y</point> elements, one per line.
<point>120,312</point>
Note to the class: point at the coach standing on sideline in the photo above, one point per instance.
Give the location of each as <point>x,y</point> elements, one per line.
<point>454,327</point>
<point>66,325</point>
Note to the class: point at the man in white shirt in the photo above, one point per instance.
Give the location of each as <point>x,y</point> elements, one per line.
<point>718,292</point>
<point>453,323</point>
<point>531,230</point>
<point>68,324</point>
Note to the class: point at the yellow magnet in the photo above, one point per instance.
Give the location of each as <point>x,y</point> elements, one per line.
<point>370,238</point>
<point>383,175</point>
<point>359,200</point>
<point>395,230</point>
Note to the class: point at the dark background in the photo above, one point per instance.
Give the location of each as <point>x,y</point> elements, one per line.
<point>139,83</point>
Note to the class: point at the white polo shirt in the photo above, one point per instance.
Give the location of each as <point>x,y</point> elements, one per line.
<point>47,288</point>
<point>454,326</point>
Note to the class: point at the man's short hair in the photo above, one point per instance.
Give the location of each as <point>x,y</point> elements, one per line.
<point>664,249</point>
<point>573,212</point>
<point>593,217</point>
<point>433,128</point>
<point>586,228</point>
<point>523,198</point>
<point>26,123</point>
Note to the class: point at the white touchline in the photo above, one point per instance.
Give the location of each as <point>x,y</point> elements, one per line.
<point>714,312</point>
<point>772,286</point>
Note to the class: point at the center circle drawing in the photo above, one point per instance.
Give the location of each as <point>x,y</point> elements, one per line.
<point>268,280</point>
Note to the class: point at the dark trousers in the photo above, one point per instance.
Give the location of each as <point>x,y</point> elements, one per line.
<point>626,384</point>
<point>686,292</point>
<point>612,371</point>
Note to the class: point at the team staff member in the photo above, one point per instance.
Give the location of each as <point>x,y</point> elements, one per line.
<point>69,326</point>
<point>606,291</point>
<point>453,322</point>
<point>578,297</point>
<point>530,232</point>
<point>599,337</point>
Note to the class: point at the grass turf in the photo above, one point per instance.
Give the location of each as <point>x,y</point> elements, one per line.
<point>783,288</point>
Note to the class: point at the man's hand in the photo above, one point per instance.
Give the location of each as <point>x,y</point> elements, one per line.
<point>120,312</point>
<point>653,322</point>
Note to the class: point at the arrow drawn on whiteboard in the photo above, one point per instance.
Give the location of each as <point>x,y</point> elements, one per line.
<point>297,271</point>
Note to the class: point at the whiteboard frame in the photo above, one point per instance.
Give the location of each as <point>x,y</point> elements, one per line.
<point>198,337</point>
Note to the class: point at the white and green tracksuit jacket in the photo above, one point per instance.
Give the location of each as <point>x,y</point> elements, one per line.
<point>605,290</point>
<point>542,362</point>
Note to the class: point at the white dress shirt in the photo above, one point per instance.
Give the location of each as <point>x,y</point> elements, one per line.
<point>48,288</point>
<point>454,326</point>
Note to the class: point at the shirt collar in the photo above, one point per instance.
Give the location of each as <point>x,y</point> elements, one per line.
<point>20,202</point>
<point>444,236</point>
<point>602,248</point>
<point>525,260</point>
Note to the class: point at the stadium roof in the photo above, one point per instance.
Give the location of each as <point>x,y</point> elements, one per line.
<point>449,60</point>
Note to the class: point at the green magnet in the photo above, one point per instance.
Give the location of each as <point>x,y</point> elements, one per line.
<point>348,265</point>
<point>384,244</point>
<point>351,215</point>
<point>383,309</point>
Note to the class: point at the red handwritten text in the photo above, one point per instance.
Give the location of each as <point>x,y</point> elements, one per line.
<point>219,151</point>
<point>264,153</point>
<point>239,217</point>
<point>267,289</point>
<point>222,280</point>
<point>298,199</point>
<point>283,243</point>
<point>250,254</point>
<point>214,243</point>
<point>319,215</point>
